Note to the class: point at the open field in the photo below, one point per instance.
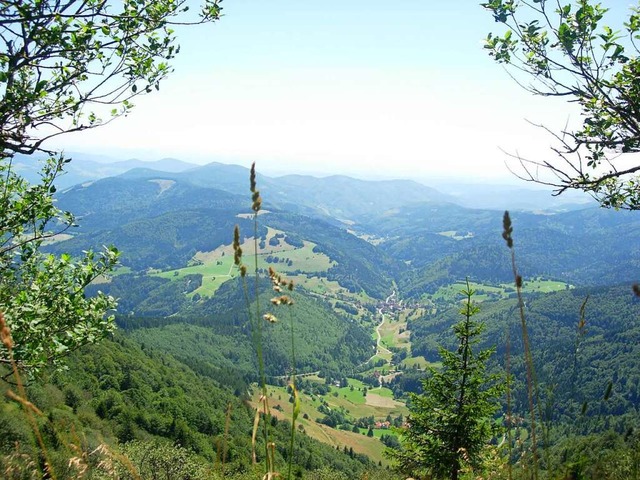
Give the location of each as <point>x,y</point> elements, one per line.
<point>455,235</point>
<point>358,405</point>
<point>216,267</point>
<point>319,285</point>
<point>420,362</point>
<point>378,402</point>
<point>394,333</point>
<point>214,273</point>
<point>121,270</point>
<point>544,286</point>
<point>60,237</point>
<point>451,293</point>
<point>300,264</point>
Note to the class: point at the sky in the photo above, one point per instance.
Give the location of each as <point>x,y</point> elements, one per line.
<point>373,89</point>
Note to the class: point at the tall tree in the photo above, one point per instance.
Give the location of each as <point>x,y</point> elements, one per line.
<point>66,66</point>
<point>564,49</point>
<point>451,422</point>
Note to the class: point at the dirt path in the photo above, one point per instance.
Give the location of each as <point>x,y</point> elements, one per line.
<point>381,348</point>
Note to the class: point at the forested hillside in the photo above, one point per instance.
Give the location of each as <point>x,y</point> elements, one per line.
<point>374,298</point>
<point>576,366</point>
<point>119,391</point>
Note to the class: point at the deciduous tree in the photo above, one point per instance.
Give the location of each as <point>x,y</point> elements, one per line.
<point>565,49</point>
<point>66,66</point>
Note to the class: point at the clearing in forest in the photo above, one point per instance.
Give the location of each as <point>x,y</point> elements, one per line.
<point>216,266</point>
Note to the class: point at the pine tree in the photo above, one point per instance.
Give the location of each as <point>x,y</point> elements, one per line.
<point>452,421</point>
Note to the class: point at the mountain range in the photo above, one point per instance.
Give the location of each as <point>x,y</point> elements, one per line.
<point>376,267</point>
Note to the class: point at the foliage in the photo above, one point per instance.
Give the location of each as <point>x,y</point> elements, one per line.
<point>607,456</point>
<point>187,226</point>
<point>60,60</point>
<point>573,237</point>
<point>360,266</point>
<point>161,461</point>
<point>134,398</point>
<point>451,422</point>
<point>565,49</point>
<point>42,295</point>
<point>215,331</point>
<point>62,66</point>
<point>608,352</point>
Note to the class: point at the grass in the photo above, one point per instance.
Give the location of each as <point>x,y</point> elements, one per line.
<point>214,273</point>
<point>304,259</point>
<point>354,396</point>
<point>319,285</point>
<point>216,267</point>
<point>60,237</point>
<point>421,362</point>
<point>387,339</point>
<point>382,392</point>
<point>356,403</point>
<point>545,286</point>
<point>398,339</point>
<point>120,270</point>
<point>351,401</point>
<point>451,293</point>
<point>455,235</point>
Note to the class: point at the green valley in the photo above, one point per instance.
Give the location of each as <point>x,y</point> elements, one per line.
<point>373,301</point>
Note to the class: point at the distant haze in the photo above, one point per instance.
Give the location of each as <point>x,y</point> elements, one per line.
<point>468,191</point>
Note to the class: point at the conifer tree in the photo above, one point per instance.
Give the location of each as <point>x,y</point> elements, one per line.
<point>452,420</point>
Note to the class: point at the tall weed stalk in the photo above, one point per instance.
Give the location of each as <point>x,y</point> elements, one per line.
<point>532,383</point>
<point>255,319</point>
<point>509,422</point>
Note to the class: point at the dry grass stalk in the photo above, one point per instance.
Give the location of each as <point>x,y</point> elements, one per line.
<point>532,387</point>
<point>21,397</point>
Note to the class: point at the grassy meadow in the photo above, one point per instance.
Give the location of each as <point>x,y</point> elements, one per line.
<point>216,267</point>
<point>451,293</point>
<point>377,402</point>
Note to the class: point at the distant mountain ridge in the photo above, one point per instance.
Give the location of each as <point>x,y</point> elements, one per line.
<point>339,197</point>
<point>161,219</point>
<point>88,168</point>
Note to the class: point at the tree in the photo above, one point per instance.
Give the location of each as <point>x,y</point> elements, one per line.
<point>158,460</point>
<point>66,66</point>
<point>451,421</point>
<point>564,49</point>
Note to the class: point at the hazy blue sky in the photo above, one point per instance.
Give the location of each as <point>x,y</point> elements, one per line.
<point>371,88</point>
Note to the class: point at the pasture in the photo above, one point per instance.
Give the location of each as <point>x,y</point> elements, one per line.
<point>217,267</point>
<point>378,403</point>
